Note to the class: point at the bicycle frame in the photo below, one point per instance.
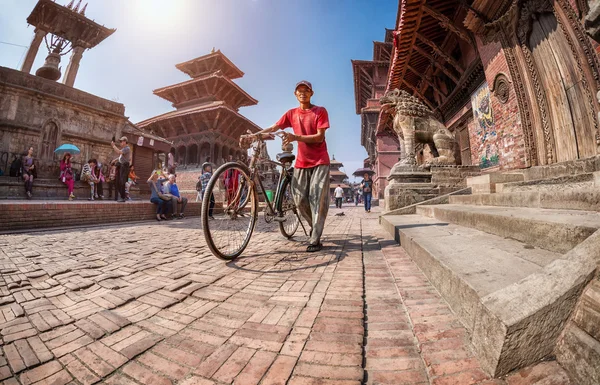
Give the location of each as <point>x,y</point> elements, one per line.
<point>283,175</point>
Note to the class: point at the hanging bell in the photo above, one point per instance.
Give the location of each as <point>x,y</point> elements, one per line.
<point>50,68</point>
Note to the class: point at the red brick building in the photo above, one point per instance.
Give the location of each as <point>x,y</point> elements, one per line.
<point>514,81</point>
<point>370,80</point>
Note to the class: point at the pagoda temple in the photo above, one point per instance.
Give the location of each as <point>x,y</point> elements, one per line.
<point>206,125</point>
<point>337,177</point>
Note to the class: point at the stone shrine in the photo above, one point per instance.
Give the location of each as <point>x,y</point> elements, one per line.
<point>42,113</point>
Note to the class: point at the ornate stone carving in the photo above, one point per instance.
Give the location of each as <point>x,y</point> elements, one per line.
<point>524,107</point>
<point>501,88</point>
<point>415,123</point>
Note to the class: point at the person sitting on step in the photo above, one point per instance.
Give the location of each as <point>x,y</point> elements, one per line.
<point>87,176</point>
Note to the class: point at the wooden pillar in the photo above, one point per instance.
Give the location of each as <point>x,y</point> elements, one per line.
<point>33,50</point>
<point>73,67</point>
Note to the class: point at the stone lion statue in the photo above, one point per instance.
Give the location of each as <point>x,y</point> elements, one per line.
<point>415,123</point>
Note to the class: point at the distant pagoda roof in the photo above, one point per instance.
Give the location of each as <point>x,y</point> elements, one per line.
<point>208,87</point>
<point>337,173</point>
<point>335,162</point>
<point>68,23</point>
<point>215,116</point>
<point>210,63</point>
<point>382,51</point>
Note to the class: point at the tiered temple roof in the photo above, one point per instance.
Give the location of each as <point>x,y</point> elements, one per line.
<point>335,175</point>
<point>206,106</point>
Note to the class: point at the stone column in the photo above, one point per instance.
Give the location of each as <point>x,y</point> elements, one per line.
<point>211,153</point>
<point>33,50</point>
<point>73,67</point>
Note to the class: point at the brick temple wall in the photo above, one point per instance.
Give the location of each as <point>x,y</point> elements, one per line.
<point>44,114</point>
<point>500,147</point>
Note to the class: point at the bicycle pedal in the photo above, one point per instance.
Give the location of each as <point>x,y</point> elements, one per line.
<point>280,219</point>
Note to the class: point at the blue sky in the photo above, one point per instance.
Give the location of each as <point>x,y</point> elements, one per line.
<point>275,42</point>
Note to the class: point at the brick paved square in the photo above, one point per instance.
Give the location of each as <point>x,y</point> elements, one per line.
<point>123,313</point>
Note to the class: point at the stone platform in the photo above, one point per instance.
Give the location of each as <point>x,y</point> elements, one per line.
<point>36,214</point>
<point>513,266</point>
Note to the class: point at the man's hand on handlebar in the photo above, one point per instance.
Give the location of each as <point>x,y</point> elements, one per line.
<point>287,137</point>
<point>247,140</point>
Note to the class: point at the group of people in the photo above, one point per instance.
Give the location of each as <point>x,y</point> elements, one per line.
<point>121,176</point>
<point>165,194</point>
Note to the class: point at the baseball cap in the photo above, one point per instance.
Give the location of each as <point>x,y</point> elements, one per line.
<point>123,138</point>
<point>303,83</point>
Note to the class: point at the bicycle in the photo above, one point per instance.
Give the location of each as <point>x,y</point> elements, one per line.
<point>232,192</point>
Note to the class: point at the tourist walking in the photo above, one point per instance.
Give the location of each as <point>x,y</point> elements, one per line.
<point>66,175</point>
<point>311,172</point>
<point>367,187</point>
<point>28,171</point>
<point>123,166</point>
<point>339,196</point>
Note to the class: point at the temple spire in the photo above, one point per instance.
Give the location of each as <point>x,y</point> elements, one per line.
<point>83,10</point>
<point>70,5</point>
<point>77,7</point>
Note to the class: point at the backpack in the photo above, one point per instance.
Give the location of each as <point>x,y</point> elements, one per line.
<point>16,167</point>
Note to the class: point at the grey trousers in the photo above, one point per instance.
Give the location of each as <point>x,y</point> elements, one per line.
<point>311,194</point>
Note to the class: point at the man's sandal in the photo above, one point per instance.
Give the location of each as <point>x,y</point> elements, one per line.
<point>313,248</point>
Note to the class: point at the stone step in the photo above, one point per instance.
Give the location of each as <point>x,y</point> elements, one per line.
<point>570,182</point>
<point>486,184</point>
<point>503,291</point>
<point>579,354</point>
<point>584,199</point>
<point>550,229</point>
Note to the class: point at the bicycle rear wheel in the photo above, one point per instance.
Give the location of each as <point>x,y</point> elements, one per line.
<point>286,206</point>
<point>229,223</point>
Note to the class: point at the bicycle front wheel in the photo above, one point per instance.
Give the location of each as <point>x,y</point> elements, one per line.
<point>285,206</point>
<point>229,210</point>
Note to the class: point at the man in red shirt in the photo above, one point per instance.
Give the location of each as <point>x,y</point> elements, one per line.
<point>311,172</point>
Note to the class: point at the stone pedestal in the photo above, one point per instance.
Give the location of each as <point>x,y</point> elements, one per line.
<point>408,184</point>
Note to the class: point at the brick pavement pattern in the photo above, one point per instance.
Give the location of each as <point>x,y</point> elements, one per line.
<point>149,304</point>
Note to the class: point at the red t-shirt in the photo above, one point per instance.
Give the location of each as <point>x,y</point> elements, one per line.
<point>307,122</point>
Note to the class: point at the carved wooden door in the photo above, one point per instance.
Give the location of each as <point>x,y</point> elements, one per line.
<point>571,121</point>
<point>464,146</point>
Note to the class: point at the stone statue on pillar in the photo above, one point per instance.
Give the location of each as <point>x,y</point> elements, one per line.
<point>414,123</point>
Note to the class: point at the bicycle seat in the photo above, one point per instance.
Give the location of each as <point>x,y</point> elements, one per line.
<point>285,157</point>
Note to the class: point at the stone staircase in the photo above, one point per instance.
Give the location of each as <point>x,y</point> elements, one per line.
<point>517,262</point>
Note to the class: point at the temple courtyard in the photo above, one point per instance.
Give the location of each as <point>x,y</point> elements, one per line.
<point>147,303</point>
